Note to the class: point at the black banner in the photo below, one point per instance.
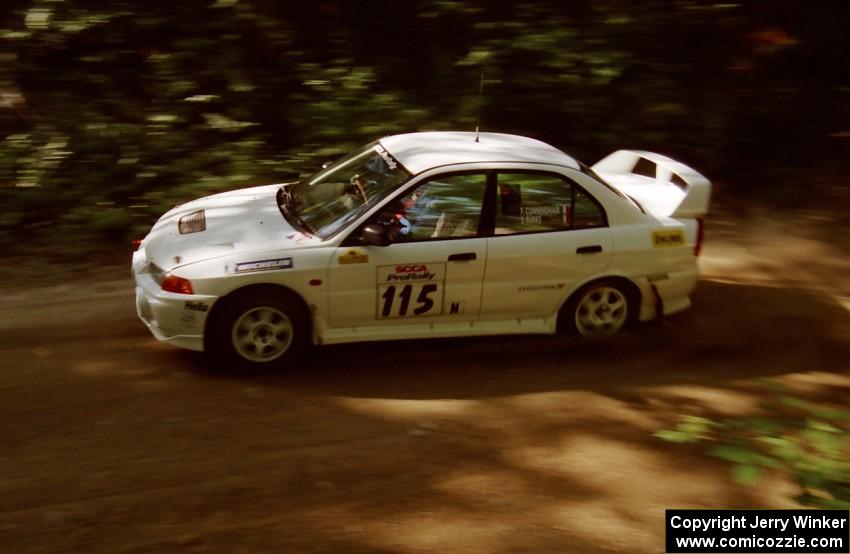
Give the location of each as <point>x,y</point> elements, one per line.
<point>758,531</point>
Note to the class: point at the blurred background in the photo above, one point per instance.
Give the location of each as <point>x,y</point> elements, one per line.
<point>112,112</point>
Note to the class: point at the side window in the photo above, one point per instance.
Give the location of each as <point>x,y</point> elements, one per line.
<point>586,213</point>
<point>441,208</point>
<point>536,202</point>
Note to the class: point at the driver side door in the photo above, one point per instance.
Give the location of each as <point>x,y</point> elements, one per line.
<point>431,273</point>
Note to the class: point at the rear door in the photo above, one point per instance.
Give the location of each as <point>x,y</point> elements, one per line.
<point>549,235</point>
<point>432,271</point>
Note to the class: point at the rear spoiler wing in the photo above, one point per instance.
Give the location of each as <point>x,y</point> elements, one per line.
<point>663,186</point>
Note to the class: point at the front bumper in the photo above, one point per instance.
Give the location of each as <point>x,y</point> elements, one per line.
<point>177,319</point>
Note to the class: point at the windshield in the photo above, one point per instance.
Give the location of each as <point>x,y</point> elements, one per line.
<point>330,199</point>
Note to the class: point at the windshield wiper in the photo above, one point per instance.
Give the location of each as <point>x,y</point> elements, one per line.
<point>284,198</point>
<point>301,223</point>
<point>286,203</point>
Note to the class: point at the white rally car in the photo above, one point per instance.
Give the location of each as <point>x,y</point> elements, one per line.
<point>425,235</point>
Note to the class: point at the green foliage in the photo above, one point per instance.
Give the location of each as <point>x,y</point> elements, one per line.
<point>689,430</point>
<point>115,102</point>
<point>807,441</point>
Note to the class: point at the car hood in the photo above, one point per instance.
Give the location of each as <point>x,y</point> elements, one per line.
<point>236,221</point>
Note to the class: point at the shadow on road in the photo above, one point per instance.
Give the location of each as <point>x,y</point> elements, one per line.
<point>491,444</point>
<point>732,332</point>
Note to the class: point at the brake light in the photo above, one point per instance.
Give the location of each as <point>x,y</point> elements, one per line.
<point>173,283</point>
<point>700,235</point>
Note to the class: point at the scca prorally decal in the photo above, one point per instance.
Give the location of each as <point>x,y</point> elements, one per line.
<point>411,272</point>
<point>196,306</point>
<point>411,290</point>
<point>264,265</point>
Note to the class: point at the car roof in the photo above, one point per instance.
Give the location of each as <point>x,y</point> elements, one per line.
<point>419,152</point>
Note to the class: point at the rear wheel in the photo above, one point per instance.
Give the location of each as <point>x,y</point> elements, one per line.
<point>258,330</point>
<point>599,309</point>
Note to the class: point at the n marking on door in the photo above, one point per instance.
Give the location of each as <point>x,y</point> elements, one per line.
<point>455,308</point>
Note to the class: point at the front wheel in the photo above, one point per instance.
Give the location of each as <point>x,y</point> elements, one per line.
<point>600,309</point>
<point>257,331</point>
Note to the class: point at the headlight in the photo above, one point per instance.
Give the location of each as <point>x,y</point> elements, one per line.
<point>194,222</point>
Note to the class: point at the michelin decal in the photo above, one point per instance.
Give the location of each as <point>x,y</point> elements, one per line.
<point>264,265</point>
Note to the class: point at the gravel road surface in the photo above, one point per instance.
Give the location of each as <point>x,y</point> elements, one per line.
<point>112,442</point>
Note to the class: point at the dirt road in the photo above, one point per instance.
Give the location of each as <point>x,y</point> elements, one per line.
<point>112,442</point>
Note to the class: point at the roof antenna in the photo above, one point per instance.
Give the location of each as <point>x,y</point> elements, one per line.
<point>480,95</point>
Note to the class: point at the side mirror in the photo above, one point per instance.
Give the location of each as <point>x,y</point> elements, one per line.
<point>375,235</point>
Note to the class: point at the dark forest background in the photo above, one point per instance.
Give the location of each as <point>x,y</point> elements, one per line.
<point>112,112</point>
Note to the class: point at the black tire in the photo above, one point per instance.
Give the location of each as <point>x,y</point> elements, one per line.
<point>258,330</point>
<point>598,309</point>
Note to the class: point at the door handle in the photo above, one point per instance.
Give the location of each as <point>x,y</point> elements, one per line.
<point>589,249</point>
<point>465,257</point>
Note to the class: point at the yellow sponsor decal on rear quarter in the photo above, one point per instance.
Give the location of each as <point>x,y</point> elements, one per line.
<point>661,239</point>
<point>354,257</point>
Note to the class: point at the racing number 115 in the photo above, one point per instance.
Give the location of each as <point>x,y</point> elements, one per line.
<point>424,302</point>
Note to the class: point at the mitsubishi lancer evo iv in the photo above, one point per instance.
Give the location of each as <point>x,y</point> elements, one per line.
<point>437,234</point>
